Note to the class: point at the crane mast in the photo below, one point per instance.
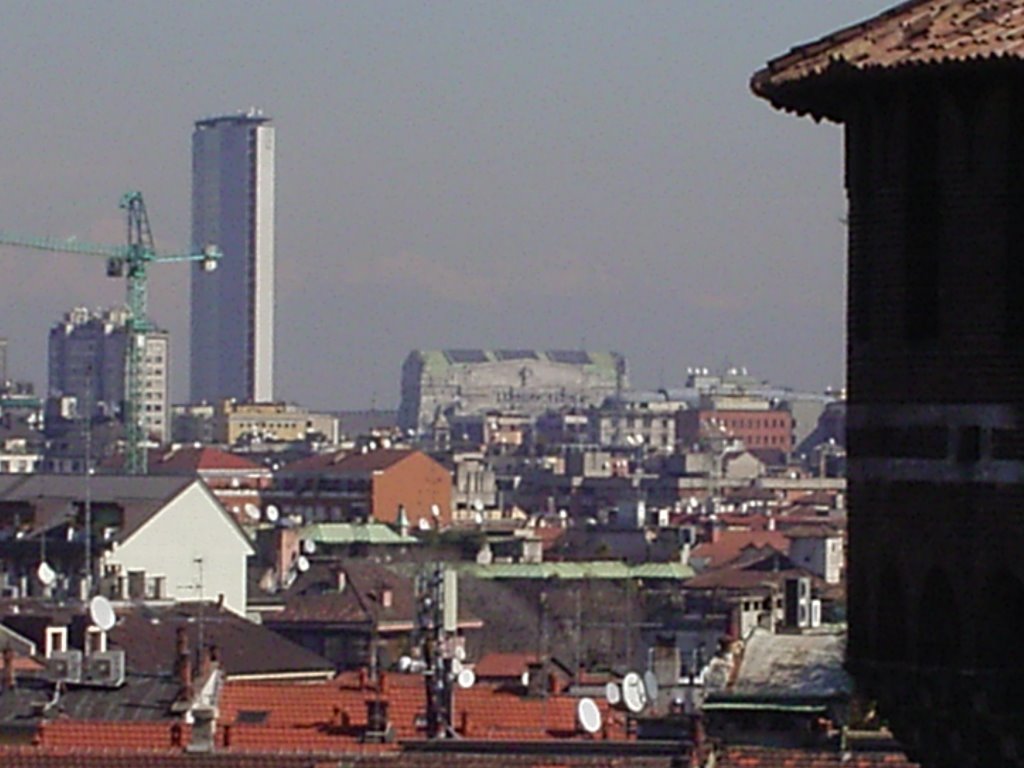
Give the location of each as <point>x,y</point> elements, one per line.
<point>130,261</point>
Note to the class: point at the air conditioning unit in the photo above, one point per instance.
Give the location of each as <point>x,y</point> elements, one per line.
<point>65,666</point>
<point>104,669</point>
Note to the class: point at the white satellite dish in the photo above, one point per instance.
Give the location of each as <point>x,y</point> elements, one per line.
<point>651,685</point>
<point>272,513</point>
<point>460,653</point>
<point>525,679</point>
<point>423,524</point>
<point>613,694</point>
<point>478,505</point>
<point>302,564</point>
<point>466,678</point>
<point>478,518</point>
<point>457,667</point>
<point>101,612</point>
<point>46,575</point>
<point>309,546</point>
<point>435,510</point>
<point>404,663</point>
<point>252,511</point>
<point>588,715</point>
<point>633,694</point>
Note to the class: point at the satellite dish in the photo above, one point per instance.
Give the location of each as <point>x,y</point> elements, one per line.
<point>404,663</point>
<point>435,510</point>
<point>478,505</point>
<point>525,679</point>
<point>423,524</point>
<point>588,715</point>
<point>252,511</point>
<point>302,564</point>
<point>633,694</point>
<point>466,678</point>
<point>460,653</point>
<point>457,667</point>
<point>272,513</point>
<point>46,575</point>
<point>309,546</point>
<point>613,694</point>
<point>478,518</point>
<point>101,612</point>
<point>651,685</point>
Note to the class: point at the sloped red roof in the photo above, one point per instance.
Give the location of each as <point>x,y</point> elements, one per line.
<point>911,34</point>
<point>768,757</point>
<point>339,707</point>
<point>343,463</point>
<point>503,665</point>
<point>731,543</point>
<point>192,460</point>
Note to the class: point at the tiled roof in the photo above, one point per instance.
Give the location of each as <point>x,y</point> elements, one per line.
<point>148,637</point>
<point>911,34</point>
<point>338,710</point>
<point>193,460</point>
<point>503,665</point>
<point>53,496</point>
<point>767,757</point>
<point>349,463</point>
<point>731,543</point>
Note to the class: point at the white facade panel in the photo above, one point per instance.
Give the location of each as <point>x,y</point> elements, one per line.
<point>194,546</point>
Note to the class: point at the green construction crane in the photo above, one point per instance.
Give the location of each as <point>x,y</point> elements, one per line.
<point>131,260</point>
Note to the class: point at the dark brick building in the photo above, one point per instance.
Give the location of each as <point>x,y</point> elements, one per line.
<point>931,95</point>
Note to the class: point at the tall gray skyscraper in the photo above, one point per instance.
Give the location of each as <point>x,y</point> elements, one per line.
<point>233,308</point>
<point>87,361</point>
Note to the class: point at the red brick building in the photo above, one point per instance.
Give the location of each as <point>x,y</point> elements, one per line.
<point>931,96</point>
<point>361,486</point>
<point>771,428</point>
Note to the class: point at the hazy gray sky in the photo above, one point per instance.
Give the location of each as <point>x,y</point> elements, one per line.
<point>449,175</point>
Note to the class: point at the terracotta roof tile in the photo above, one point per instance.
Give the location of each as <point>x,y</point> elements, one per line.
<point>503,664</point>
<point>731,543</point>
<point>916,33</point>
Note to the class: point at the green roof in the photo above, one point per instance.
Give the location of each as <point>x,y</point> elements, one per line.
<point>355,533</point>
<point>596,569</point>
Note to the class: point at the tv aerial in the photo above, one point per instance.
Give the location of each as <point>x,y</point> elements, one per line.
<point>588,715</point>
<point>101,613</point>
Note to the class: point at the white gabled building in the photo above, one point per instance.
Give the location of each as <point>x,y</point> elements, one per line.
<point>154,538</point>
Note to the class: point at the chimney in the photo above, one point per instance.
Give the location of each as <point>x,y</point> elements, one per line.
<point>183,664</point>
<point>9,681</point>
<point>378,729</point>
<point>535,682</point>
<point>204,729</point>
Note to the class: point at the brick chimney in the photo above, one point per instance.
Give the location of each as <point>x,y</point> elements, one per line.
<point>9,679</point>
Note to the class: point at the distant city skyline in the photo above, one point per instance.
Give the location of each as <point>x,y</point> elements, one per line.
<point>448,175</point>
